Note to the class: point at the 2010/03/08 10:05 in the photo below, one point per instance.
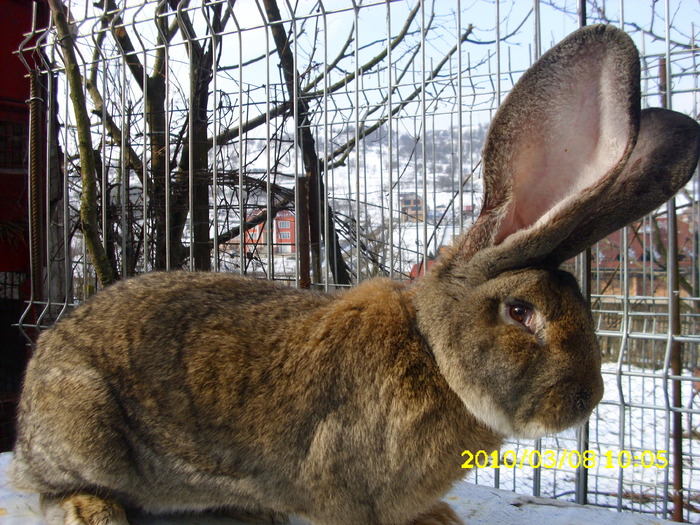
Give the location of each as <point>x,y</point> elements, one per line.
<point>566,458</point>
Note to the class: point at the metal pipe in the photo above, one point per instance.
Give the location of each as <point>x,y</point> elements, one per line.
<point>674,346</point>
<point>583,433</point>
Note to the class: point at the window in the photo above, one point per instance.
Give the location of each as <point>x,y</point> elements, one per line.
<point>284,224</point>
<point>285,235</point>
<point>13,145</point>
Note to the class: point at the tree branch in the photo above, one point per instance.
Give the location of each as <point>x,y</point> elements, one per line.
<point>365,67</point>
<point>307,144</point>
<point>88,197</point>
<point>133,161</point>
<point>344,150</point>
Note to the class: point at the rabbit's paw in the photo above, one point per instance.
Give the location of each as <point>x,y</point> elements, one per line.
<point>440,514</point>
<point>82,509</point>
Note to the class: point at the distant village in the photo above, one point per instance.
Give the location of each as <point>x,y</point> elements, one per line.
<point>646,244</point>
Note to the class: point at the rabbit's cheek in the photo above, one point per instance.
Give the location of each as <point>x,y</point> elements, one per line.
<point>481,395</point>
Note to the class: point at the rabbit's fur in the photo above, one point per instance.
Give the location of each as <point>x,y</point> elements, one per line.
<point>189,392</point>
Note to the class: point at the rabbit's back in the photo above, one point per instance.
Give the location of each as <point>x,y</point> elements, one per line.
<point>155,370</point>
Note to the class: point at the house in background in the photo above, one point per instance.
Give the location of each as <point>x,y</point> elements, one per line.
<point>646,245</point>
<point>469,213</point>
<point>411,206</point>
<point>283,241</point>
<point>285,232</point>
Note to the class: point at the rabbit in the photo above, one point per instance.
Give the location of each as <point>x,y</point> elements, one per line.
<point>196,392</point>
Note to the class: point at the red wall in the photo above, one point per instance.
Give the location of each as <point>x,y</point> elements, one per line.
<point>16,16</point>
<point>14,126</point>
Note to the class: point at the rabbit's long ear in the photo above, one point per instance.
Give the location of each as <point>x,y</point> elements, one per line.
<point>662,162</point>
<point>554,164</point>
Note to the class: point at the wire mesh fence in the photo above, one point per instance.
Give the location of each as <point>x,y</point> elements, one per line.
<point>324,143</point>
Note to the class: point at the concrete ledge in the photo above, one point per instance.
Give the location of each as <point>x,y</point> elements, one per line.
<point>478,505</point>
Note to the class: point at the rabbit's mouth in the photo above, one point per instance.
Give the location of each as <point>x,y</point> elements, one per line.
<point>562,407</point>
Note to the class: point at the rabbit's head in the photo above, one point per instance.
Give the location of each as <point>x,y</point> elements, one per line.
<point>569,159</point>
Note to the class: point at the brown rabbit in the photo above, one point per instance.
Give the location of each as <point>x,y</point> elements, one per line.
<point>191,392</point>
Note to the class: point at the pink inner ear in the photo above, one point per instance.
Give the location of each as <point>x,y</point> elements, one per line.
<point>566,142</point>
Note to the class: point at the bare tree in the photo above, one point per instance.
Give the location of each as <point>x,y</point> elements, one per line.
<point>182,144</point>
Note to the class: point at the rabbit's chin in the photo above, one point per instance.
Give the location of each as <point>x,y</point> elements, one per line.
<point>536,430</point>
<point>496,420</point>
<point>485,409</point>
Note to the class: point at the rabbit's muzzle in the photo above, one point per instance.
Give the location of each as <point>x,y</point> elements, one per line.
<point>566,384</point>
<point>565,404</point>
<point>584,400</point>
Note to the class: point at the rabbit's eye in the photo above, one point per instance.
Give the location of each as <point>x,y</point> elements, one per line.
<point>522,314</point>
<point>518,313</point>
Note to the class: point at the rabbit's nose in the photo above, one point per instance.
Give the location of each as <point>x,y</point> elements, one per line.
<point>582,402</point>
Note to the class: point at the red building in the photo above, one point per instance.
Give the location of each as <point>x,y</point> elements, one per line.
<point>15,271</point>
<point>285,232</point>
<point>284,229</point>
<point>646,246</point>
<point>643,242</point>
